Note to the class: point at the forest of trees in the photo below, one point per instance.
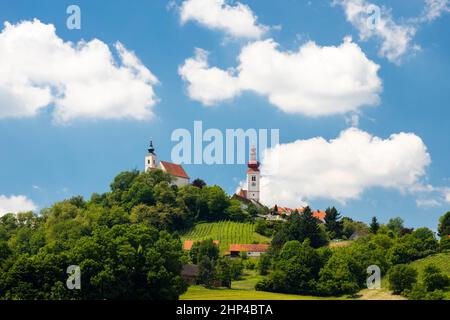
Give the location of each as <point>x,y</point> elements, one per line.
<point>125,241</point>
<point>127,244</point>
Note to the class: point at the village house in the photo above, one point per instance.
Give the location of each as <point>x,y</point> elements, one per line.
<point>252,250</point>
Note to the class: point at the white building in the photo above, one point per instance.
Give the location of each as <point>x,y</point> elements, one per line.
<point>175,170</point>
<point>252,193</point>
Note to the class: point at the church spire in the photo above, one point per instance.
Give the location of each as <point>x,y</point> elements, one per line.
<point>151,149</point>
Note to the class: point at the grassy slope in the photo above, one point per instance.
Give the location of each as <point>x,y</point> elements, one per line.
<point>241,290</point>
<point>441,260</point>
<point>227,232</point>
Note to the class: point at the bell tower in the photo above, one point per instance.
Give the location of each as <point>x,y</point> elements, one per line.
<point>253,176</point>
<point>151,160</point>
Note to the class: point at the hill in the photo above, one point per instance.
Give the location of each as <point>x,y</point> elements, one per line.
<point>243,290</point>
<point>441,260</point>
<point>227,232</point>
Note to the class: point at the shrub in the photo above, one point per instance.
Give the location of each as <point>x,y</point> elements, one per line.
<point>402,277</point>
<point>434,279</point>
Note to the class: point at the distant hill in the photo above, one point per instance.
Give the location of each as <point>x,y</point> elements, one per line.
<point>227,232</point>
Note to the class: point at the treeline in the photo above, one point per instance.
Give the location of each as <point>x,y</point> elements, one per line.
<point>300,262</point>
<point>125,241</point>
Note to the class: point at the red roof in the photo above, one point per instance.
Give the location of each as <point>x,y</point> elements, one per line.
<point>249,247</point>
<point>319,214</point>
<point>174,169</point>
<point>242,193</point>
<point>187,245</point>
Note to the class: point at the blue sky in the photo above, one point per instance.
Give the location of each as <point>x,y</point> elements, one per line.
<point>45,160</point>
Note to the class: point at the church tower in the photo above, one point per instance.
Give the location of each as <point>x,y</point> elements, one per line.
<point>151,161</point>
<point>253,176</point>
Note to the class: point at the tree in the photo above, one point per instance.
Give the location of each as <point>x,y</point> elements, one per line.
<point>296,269</point>
<point>434,278</point>
<point>300,227</point>
<point>224,271</point>
<point>374,225</point>
<point>217,201</point>
<point>402,277</point>
<point>444,225</point>
<point>204,248</point>
<point>264,264</point>
<point>199,183</point>
<point>395,225</point>
<point>340,275</point>
<point>206,271</point>
<point>333,223</point>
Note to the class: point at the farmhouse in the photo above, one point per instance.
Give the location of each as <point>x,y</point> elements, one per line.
<point>175,170</point>
<point>190,273</point>
<point>252,250</point>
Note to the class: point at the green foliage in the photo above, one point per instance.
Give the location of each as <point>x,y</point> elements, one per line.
<point>296,270</point>
<point>206,271</point>
<point>402,277</point>
<point>349,227</point>
<point>300,227</point>
<point>444,225</point>
<point>264,264</point>
<point>434,278</point>
<point>204,248</point>
<point>395,225</point>
<point>374,225</point>
<point>333,223</point>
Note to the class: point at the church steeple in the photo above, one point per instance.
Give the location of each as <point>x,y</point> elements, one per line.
<point>253,176</point>
<point>151,160</point>
<point>151,149</point>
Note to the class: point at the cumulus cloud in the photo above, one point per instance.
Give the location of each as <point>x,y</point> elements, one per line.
<point>343,168</point>
<point>373,21</point>
<point>434,9</point>
<point>80,81</point>
<point>314,81</point>
<point>237,21</point>
<point>15,204</point>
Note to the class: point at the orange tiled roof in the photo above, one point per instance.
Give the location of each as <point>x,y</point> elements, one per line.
<point>249,247</point>
<point>174,169</point>
<point>242,193</point>
<point>319,214</point>
<point>187,245</point>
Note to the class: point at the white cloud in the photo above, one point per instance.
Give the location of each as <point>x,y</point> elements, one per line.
<point>428,203</point>
<point>236,20</point>
<point>15,204</point>
<point>396,39</point>
<point>447,196</point>
<point>208,85</point>
<point>343,168</point>
<point>434,9</point>
<point>313,81</point>
<point>81,81</point>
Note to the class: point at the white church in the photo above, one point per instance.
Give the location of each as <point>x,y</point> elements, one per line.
<point>181,178</point>
<point>175,170</point>
<point>252,193</point>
